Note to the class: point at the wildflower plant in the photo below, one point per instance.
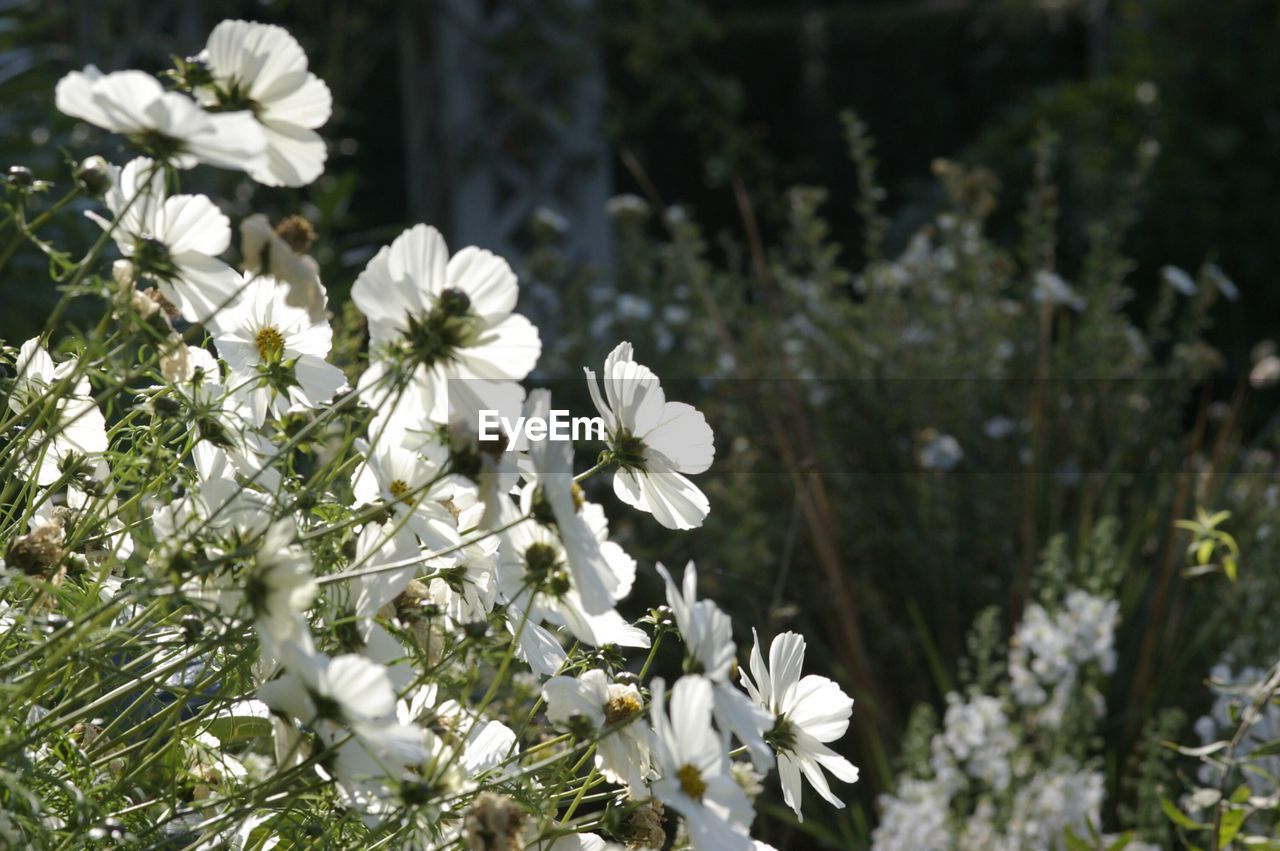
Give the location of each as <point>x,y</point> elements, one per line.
<point>1015,761</point>
<point>261,588</point>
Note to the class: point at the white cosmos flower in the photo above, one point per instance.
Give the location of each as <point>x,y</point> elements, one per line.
<point>694,769</point>
<point>378,546</point>
<point>487,745</point>
<point>623,753</point>
<point>221,419</point>
<point>653,441</point>
<point>174,240</point>
<point>166,124</point>
<point>707,633</point>
<point>535,581</point>
<point>487,463</point>
<point>275,588</point>
<point>553,500</point>
<point>414,484</point>
<point>808,712</point>
<point>262,68</point>
<point>465,591</point>
<point>351,704</point>
<point>446,318</point>
<point>79,429</point>
<point>276,351</point>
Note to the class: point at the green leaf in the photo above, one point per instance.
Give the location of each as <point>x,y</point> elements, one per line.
<point>1073,842</point>
<point>1122,841</point>
<point>246,719</point>
<point>1232,821</point>
<point>1178,817</point>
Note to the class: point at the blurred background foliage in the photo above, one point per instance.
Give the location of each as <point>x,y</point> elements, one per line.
<point>932,338</point>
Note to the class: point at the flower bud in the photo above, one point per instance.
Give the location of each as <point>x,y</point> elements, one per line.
<point>94,176</point>
<point>124,274</point>
<point>20,176</point>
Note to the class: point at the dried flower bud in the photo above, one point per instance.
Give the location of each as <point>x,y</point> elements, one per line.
<point>642,827</point>
<point>495,823</point>
<point>38,550</point>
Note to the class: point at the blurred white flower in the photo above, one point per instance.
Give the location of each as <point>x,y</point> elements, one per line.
<point>1179,280</point>
<point>261,68</point>
<point>281,252</point>
<point>553,499</point>
<point>78,430</point>
<point>167,125</point>
<point>940,452</point>
<point>1052,289</point>
<point>914,818</point>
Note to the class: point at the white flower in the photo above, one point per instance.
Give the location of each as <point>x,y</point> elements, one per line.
<point>808,712</point>
<point>275,588</point>
<point>554,500</point>
<point>172,240</point>
<point>653,441</point>
<point>707,633</point>
<point>940,452</point>
<point>446,318</point>
<point>464,592</point>
<point>487,745</point>
<point>281,252</point>
<point>622,754</point>
<point>347,692</point>
<point>78,430</point>
<point>379,546</point>
<point>276,351</point>
<point>977,738</point>
<point>914,819</point>
<point>222,419</point>
<point>1179,280</point>
<point>262,68</point>
<point>413,484</point>
<point>693,765</point>
<point>167,125</point>
<point>535,581</point>
<point>1053,799</point>
<point>1052,289</point>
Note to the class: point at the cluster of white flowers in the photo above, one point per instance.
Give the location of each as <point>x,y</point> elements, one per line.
<point>1049,650</point>
<point>429,535</point>
<point>989,784</point>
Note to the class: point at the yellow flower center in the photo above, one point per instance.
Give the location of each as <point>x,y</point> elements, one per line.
<point>270,344</point>
<point>621,707</point>
<point>398,488</point>
<point>691,782</point>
